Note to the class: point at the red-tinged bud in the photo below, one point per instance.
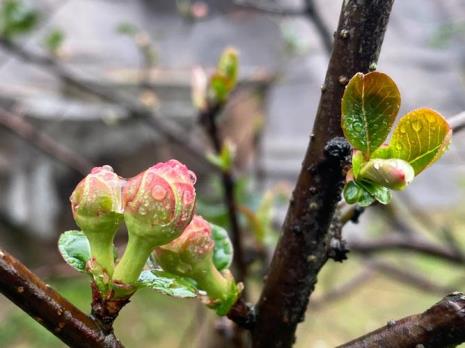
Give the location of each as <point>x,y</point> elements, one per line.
<point>159,202</point>
<point>158,205</point>
<point>191,255</point>
<point>194,245</point>
<point>97,208</point>
<point>392,173</point>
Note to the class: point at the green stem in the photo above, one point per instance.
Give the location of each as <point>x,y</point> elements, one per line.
<point>134,258</point>
<point>101,247</point>
<point>213,282</point>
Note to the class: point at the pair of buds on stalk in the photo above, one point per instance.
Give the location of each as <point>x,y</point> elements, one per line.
<point>158,207</point>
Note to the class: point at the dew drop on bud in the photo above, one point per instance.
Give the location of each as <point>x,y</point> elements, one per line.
<point>187,197</point>
<point>108,168</point>
<point>192,177</point>
<point>142,211</point>
<point>158,192</point>
<point>416,126</point>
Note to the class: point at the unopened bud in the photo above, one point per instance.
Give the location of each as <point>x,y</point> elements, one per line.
<point>392,173</point>
<point>97,208</point>
<point>191,255</point>
<point>158,205</point>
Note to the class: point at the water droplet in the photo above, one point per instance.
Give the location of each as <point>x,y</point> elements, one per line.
<point>108,168</point>
<point>192,177</point>
<point>403,130</point>
<point>357,127</point>
<point>159,192</point>
<point>187,197</point>
<point>430,118</point>
<point>142,211</point>
<point>416,126</point>
<point>399,147</point>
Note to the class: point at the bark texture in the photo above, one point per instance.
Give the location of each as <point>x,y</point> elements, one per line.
<point>49,309</point>
<point>306,240</point>
<point>441,326</point>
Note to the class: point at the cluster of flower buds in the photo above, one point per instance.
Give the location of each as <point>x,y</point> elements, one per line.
<point>158,207</point>
<point>191,255</point>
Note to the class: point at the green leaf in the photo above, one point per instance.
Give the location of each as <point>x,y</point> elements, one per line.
<point>75,249</point>
<point>223,252</point>
<point>380,193</point>
<point>393,173</point>
<point>16,19</point>
<point>352,192</point>
<point>421,138</point>
<point>168,284</point>
<point>54,40</point>
<point>369,108</point>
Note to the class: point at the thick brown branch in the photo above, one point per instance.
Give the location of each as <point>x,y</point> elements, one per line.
<point>443,325</point>
<point>42,141</point>
<point>48,308</point>
<point>304,246</point>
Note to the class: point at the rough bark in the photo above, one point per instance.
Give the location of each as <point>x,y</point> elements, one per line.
<point>441,326</point>
<point>304,246</point>
<point>49,309</point>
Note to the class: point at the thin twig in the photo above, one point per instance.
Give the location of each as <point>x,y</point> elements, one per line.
<point>440,326</point>
<point>49,308</point>
<point>42,141</point>
<point>343,290</point>
<point>406,276</point>
<point>396,242</point>
<point>208,119</point>
<point>161,125</point>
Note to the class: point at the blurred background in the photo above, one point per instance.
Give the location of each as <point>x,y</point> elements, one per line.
<point>93,82</point>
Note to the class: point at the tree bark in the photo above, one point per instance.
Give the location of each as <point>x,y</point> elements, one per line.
<point>49,309</point>
<point>305,243</point>
<point>441,326</point>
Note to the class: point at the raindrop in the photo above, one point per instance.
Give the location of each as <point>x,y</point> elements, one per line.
<point>416,126</point>
<point>159,192</point>
<point>108,168</point>
<point>187,197</point>
<point>142,211</point>
<point>192,177</point>
<point>403,130</point>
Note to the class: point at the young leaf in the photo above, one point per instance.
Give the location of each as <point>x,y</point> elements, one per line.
<point>420,138</point>
<point>369,108</point>
<point>168,284</point>
<point>380,193</point>
<point>392,173</point>
<point>75,249</point>
<point>223,252</point>
<point>352,192</point>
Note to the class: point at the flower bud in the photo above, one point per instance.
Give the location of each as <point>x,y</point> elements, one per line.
<point>158,205</point>
<point>195,245</point>
<point>392,173</point>
<point>96,203</point>
<point>191,255</point>
<point>159,202</point>
<point>224,79</point>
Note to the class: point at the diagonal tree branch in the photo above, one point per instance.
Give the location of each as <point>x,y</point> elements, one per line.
<point>43,142</point>
<point>397,242</point>
<point>49,308</point>
<point>440,326</point>
<point>168,129</point>
<point>304,245</point>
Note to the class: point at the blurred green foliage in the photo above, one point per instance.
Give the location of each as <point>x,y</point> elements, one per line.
<point>16,19</point>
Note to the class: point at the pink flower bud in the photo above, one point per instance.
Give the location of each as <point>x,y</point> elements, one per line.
<point>159,202</point>
<point>96,201</point>
<point>193,246</point>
